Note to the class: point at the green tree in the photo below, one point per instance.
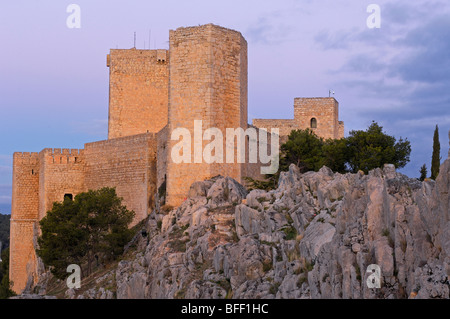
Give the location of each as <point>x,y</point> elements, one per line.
<point>93,225</point>
<point>335,154</point>
<point>423,172</point>
<point>5,284</point>
<point>4,230</point>
<point>361,150</point>
<point>303,149</point>
<point>436,157</point>
<point>372,148</point>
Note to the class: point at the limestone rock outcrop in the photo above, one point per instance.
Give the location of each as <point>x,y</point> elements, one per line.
<point>312,237</point>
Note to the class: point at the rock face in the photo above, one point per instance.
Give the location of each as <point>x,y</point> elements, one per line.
<point>312,237</point>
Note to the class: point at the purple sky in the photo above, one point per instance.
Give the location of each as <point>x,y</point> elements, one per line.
<point>54,80</point>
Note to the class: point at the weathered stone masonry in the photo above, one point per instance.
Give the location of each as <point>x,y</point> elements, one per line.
<point>318,114</point>
<point>203,76</point>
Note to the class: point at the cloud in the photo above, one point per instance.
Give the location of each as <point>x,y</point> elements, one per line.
<point>93,127</point>
<point>430,60</point>
<point>339,40</point>
<point>269,30</point>
<point>399,73</point>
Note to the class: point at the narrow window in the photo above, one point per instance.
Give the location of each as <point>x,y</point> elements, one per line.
<point>313,123</point>
<point>68,196</point>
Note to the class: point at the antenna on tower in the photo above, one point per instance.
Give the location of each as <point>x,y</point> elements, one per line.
<point>330,92</point>
<point>150,38</point>
<point>135,39</point>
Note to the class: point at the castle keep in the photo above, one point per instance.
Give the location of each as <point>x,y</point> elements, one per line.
<point>203,76</point>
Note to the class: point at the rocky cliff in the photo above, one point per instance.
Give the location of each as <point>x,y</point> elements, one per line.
<point>312,237</point>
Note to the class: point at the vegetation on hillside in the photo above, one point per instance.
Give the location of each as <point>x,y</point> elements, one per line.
<point>436,157</point>
<point>4,230</point>
<point>92,227</point>
<point>423,172</point>
<point>5,284</point>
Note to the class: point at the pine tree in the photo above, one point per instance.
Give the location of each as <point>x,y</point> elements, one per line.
<point>436,158</point>
<point>95,223</point>
<point>423,172</point>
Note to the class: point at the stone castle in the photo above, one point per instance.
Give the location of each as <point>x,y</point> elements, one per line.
<point>203,76</point>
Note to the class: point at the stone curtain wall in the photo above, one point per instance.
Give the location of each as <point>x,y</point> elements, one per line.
<point>285,126</point>
<point>324,110</point>
<point>138,91</point>
<point>127,163</point>
<point>208,66</point>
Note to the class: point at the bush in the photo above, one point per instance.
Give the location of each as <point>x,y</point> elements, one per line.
<point>92,226</point>
<point>361,150</point>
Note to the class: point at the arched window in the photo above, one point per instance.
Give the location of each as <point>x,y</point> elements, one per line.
<point>68,196</point>
<point>313,123</point>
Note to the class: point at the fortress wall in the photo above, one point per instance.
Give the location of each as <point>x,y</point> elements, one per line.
<point>253,170</point>
<point>138,91</point>
<point>285,126</point>
<point>62,172</point>
<point>24,216</point>
<point>129,165</point>
<point>324,110</point>
<point>206,70</point>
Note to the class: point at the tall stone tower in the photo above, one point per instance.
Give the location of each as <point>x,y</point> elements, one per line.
<point>208,82</point>
<point>24,218</point>
<point>138,91</point>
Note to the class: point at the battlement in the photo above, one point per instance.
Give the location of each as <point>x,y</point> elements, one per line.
<point>63,151</point>
<point>62,156</point>
<point>133,59</point>
<point>26,158</point>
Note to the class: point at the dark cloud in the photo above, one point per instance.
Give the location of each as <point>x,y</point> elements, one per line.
<point>401,75</point>
<point>430,60</point>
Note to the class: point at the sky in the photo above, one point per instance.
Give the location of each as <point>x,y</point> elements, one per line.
<point>54,79</point>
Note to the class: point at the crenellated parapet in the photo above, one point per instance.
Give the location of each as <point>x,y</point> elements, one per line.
<point>62,156</point>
